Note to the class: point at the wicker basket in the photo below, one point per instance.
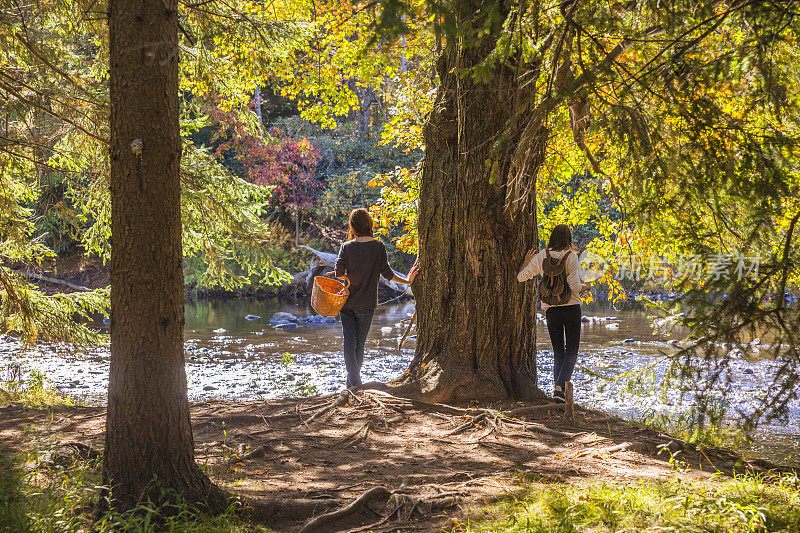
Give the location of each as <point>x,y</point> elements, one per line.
<point>329,295</point>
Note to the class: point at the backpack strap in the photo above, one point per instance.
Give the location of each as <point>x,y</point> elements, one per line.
<point>555,266</point>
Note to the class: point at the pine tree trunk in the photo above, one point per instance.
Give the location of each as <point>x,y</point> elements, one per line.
<point>148,434</point>
<point>477,323</point>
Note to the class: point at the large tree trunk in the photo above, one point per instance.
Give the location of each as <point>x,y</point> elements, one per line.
<point>148,435</point>
<point>477,323</point>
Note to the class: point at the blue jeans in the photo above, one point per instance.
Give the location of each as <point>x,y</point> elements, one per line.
<point>564,326</point>
<point>355,327</point>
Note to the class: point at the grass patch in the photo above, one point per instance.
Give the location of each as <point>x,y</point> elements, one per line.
<point>47,490</point>
<point>683,426</point>
<point>12,500</point>
<point>33,390</point>
<point>744,503</point>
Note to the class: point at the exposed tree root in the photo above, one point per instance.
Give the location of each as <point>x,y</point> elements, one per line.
<point>493,418</point>
<point>634,446</point>
<point>398,505</point>
<point>404,436</point>
<point>340,400</point>
<point>84,451</point>
<point>256,453</point>
<point>324,522</point>
<point>356,436</point>
<point>466,425</point>
<point>379,523</point>
<point>538,428</point>
<point>447,381</point>
<point>532,409</point>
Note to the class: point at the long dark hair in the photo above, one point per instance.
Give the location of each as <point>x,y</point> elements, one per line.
<point>561,238</point>
<point>360,224</point>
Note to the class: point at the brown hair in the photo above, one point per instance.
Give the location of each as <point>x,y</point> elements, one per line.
<point>360,224</point>
<point>561,238</point>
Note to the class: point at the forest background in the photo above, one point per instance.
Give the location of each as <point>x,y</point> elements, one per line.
<point>289,122</point>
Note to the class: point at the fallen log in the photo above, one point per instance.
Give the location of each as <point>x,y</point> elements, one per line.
<point>53,281</point>
<point>329,260</point>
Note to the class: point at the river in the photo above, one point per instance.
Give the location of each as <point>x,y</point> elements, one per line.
<point>229,356</point>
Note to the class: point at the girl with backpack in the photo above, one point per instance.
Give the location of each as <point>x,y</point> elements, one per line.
<point>559,292</point>
<point>362,260</point>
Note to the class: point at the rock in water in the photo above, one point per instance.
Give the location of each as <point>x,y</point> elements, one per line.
<point>282,318</point>
<point>220,330</point>
<point>319,319</point>
<point>251,317</point>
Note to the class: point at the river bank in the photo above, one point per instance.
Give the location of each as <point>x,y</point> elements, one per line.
<point>230,355</point>
<point>423,467</point>
<point>269,424</point>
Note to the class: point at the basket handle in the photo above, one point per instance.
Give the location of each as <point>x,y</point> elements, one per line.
<point>346,285</point>
<point>346,280</point>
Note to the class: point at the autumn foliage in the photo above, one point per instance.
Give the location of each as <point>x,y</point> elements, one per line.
<point>271,159</point>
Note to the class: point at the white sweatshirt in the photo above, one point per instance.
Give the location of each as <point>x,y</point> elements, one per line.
<point>534,268</point>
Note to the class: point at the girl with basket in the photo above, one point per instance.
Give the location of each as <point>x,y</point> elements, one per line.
<point>362,259</point>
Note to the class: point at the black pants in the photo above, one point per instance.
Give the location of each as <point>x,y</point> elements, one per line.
<point>564,325</point>
<point>355,327</point>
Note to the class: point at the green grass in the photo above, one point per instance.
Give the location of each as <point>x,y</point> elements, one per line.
<point>33,391</point>
<point>717,505</point>
<point>12,499</point>
<point>44,490</point>
<point>712,434</point>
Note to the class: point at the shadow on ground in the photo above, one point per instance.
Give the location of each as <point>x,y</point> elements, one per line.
<point>302,458</point>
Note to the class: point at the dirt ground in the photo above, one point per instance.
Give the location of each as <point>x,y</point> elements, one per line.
<point>437,463</point>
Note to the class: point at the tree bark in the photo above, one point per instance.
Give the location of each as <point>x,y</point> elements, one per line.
<point>477,323</point>
<point>149,439</point>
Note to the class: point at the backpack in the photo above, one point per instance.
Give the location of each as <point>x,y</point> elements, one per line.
<point>554,289</point>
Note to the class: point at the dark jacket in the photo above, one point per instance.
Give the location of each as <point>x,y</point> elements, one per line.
<point>363,262</point>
